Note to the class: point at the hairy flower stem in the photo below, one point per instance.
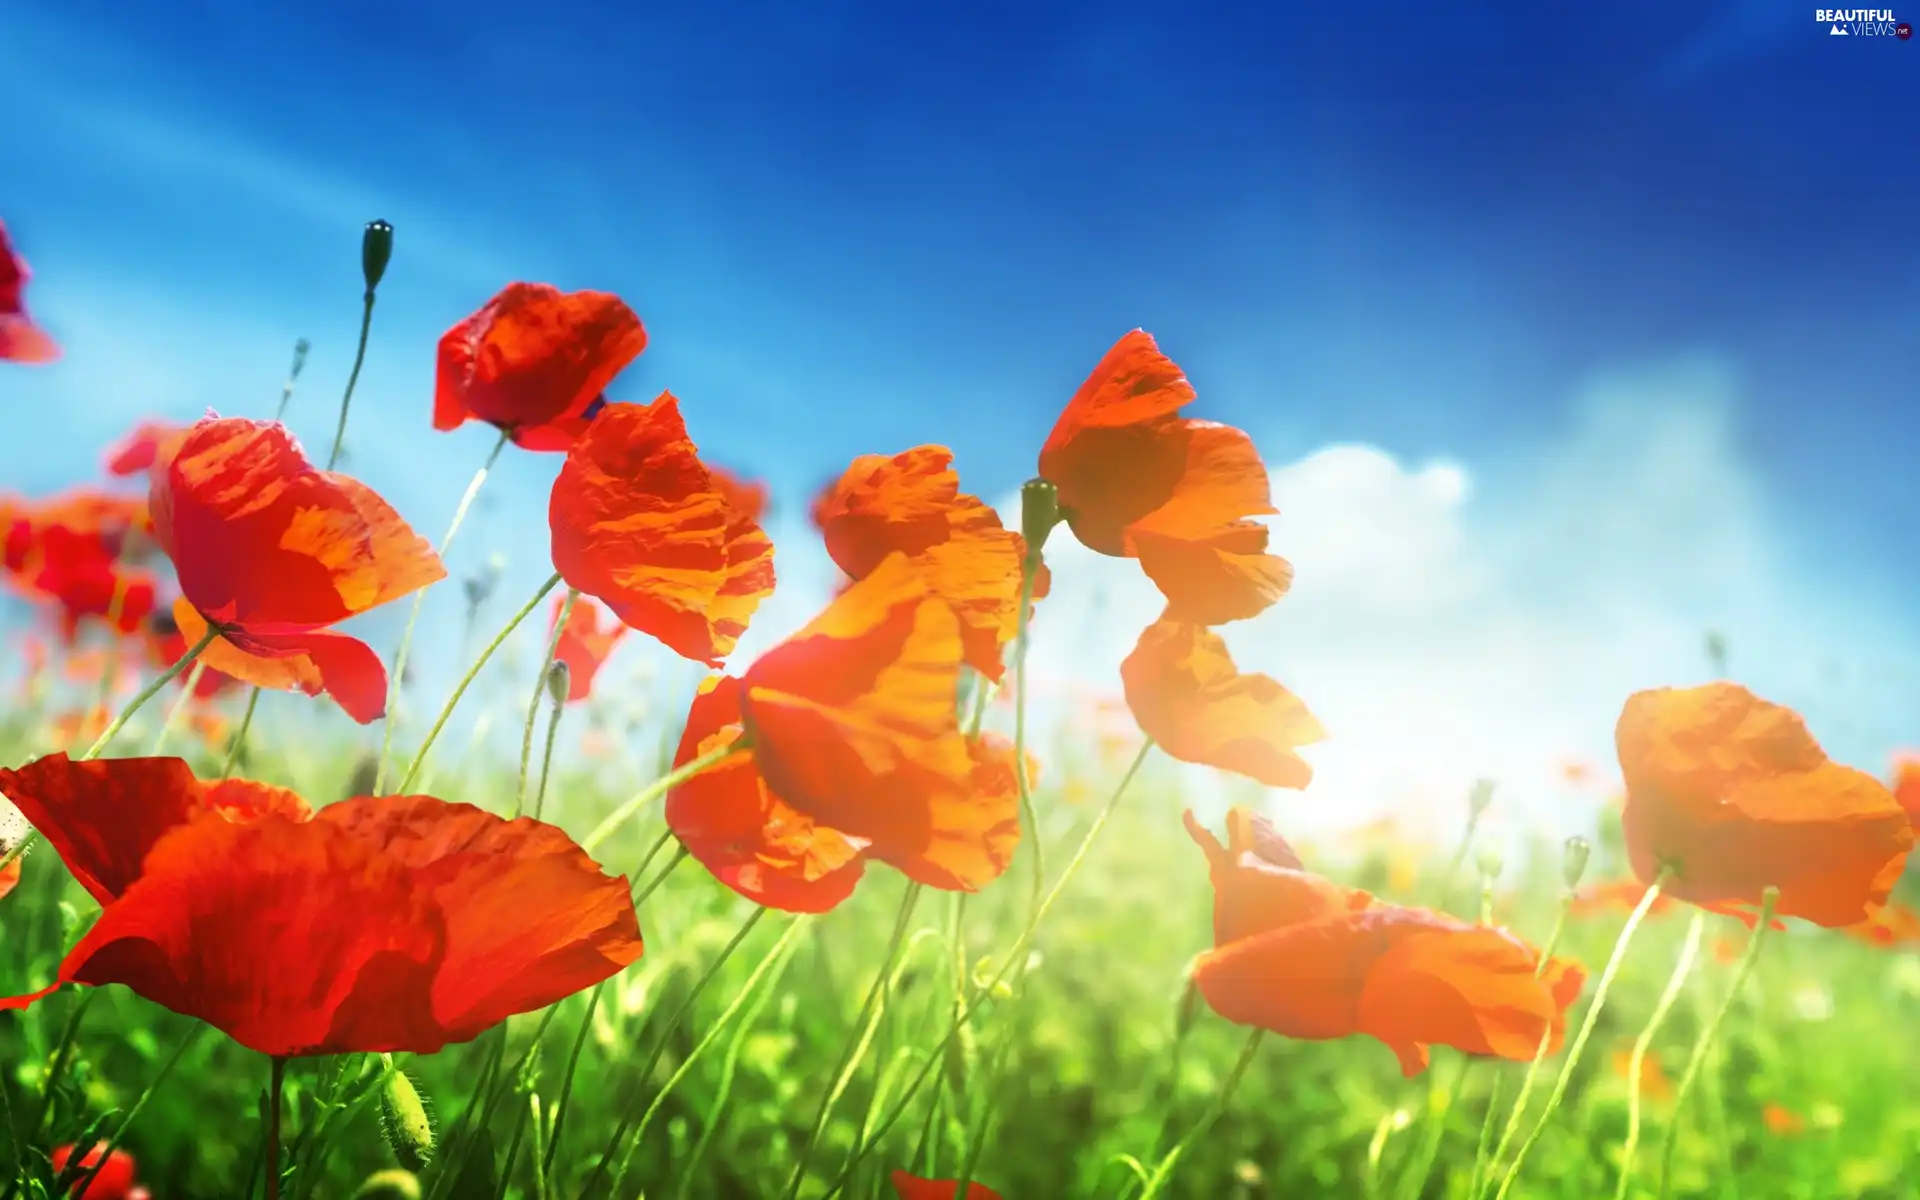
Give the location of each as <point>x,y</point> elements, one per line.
<point>1580,1039</point>
<point>973,1001</point>
<point>413,615</point>
<point>1703,1045</point>
<point>849,1057</point>
<point>658,788</point>
<point>276,1083</point>
<point>240,736</point>
<point>1158,1180</point>
<point>353,378</point>
<point>539,694</point>
<point>1636,1065</point>
<point>466,681</point>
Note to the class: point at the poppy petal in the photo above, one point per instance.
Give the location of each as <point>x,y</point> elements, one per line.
<point>1186,695</point>
<point>343,667</point>
<point>912,1187</point>
<point>103,817</point>
<point>583,645</point>
<point>972,836</point>
<point>638,524</point>
<point>529,918</point>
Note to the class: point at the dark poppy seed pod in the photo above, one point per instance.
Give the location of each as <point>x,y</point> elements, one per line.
<point>1578,851</point>
<point>1039,513</point>
<point>559,682</point>
<point>390,1184</point>
<point>404,1121</point>
<point>376,251</point>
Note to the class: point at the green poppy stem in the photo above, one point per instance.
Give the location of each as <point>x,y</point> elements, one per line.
<point>179,708</point>
<point>353,378</point>
<point>147,693</point>
<point>300,347</point>
<point>539,694</point>
<point>658,788</point>
<point>413,615</point>
<point>240,736</point>
<point>1636,1065</point>
<point>276,1084</point>
<point>1704,1044</point>
<point>84,1181</point>
<point>566,1080</point>
<point>850,1055</point>
<point>466,681</point>
<point>1162,1173</point>
<point>972,1003</point>
<point>1580,1039</point>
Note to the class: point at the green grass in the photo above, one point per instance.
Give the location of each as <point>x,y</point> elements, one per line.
<point>1077,1073</point>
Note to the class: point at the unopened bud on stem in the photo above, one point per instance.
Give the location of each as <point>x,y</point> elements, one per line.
<point>559,682</point>
<point>376,251</point>
<point>404,1120</point>
<point>1578,851</point>
<point>1479,799</point>
<point>1039,513</point>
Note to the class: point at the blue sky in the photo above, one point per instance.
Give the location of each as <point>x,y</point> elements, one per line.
<point>1611,322</point>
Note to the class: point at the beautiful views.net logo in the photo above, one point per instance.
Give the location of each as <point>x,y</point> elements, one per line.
<point>1862,22</point>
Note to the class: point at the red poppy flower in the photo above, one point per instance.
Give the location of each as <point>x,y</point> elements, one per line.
<point>272,551</point>
<point>583,645</point>
<point>911,504</point>
<point>150,442</point>
<point>856,752</point>
<point>1187,695</point>
<point>533,363</point>
<point>1734,795</point>
<point>378,924</point>
<point>639,524</point>
<point>1308,958</point>
<point>77,572</point>
<point>21,340</point>
<point>747,497</point>
<point>115,1180</point>
<point>912,1187</point>
<point>1781,1121</point>
<point>1137,480</point>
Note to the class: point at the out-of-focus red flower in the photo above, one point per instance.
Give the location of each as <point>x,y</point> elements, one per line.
<point>639,524</point>
<point>533,363</point>
<point>77,552</point>
<point>1894,924</point>
<point>1781,1121</point>
<point>583,645</point>
<point>21,340</point>
<point>115,1180</point>
<point>1734,795</point>
<point>1622,896</point>
<point>271,551</point>
<point>9,877</point>
<point>1654,1084</point>
<point>1308,958</point>
<point>855,753</point>
<point>378,924</point>
<point>747,497</point>
<point>911,503</point>
<point>1906,783</point>
<point>1137,480</point>
<point>150,442</point>
<point>81,727</point>
<point>1187,695</point>
<point>912,1187</point>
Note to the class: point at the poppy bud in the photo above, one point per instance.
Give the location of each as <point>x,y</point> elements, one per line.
<point>376,250</point>
<point>390,1184</point>
<point>1490,861</point>
<point>1578,851</point>
<point>1479,799</point>
<point>1039,513</point>
<point>559,681</point>
<point>404,1121</point>
<point>1717,653</point>
<point>300,349</point>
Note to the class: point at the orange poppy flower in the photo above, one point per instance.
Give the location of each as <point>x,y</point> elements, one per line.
<point>1906,783</point>
<point>1782,1122</point>
<point>1186,695</point>
<point>748,497</point>
<point>1892,925</point>
<point>115,1181</point>
<point>21,340</point>
<point>1308,958</point>
<point>1619,896</point>
<point>1735,796</point>
<point>912,1187</point>
<point>583,645</point>
<point>9,877</point>
<point>378,924</point>
<point>150,442</point>
<point>911,504</point>
<point>856,752</point>
<point>533,363</point>
<point>1137,480</point>
<point>271,551</point>
<point>1654,1084</point>
<point>639,524</point>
